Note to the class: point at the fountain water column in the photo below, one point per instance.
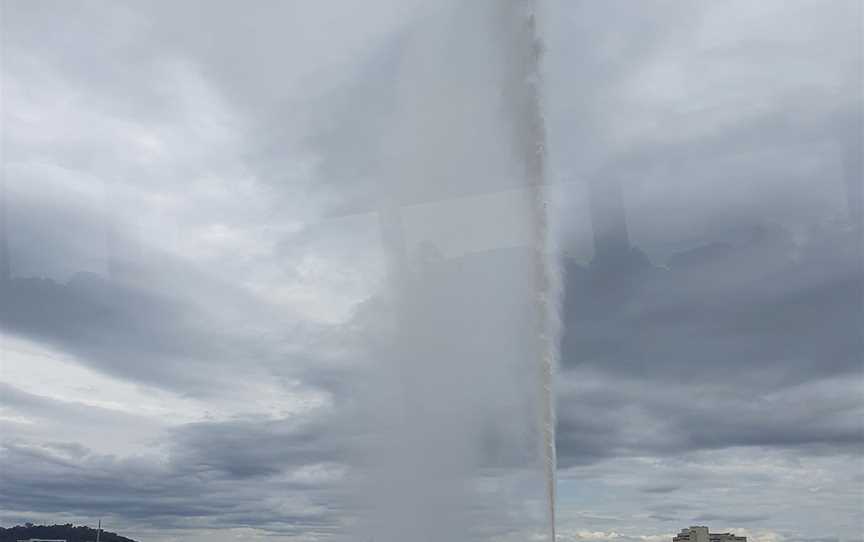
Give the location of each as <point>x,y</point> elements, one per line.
<point>524,90</point>
<point>467,121</point>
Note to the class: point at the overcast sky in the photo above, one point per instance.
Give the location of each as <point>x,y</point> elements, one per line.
<point>194,246</point>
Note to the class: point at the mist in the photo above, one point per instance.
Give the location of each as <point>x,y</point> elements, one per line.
<point>459,391</point>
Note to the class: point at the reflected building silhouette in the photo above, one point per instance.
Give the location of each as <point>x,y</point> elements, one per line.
<point>614,255</point>
<point>747,292</point>
<point>612,277</point>
<point>5,264</point>
<point>853,171</point>
<point>608,220</point>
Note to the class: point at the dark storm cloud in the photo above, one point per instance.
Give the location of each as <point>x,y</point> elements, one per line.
<point>616,417</point>
<point>149,332</point>
<point>234,474</point>
<point>58,477</point>
<point>729,316</point>
<point>83,280</point>
<point>84,284</point>
<point>722,307</point>
<point>140,312</point>
<point>732,343</point>
<point>245,449</point>
<point>704,126</point>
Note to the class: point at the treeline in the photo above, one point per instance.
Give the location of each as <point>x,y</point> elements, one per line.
<point>66,532</point>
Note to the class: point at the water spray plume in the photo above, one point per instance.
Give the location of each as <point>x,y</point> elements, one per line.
<point>461,395</point>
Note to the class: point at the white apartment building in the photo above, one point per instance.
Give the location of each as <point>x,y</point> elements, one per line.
<point>700,534</point>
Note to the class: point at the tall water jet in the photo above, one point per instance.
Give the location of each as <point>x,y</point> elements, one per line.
<point>530,131</point>
<point>462,443</point>
<point>529,49</point>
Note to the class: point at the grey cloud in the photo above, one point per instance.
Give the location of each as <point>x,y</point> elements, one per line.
<point>134,332</point>
<point>161,318</point>
<point>735,321</point>
<point>787,318</point>
<point>742,518</point>
<point>632,417</point>
<point>196,481</point>
<point>246,449</point>
<point>285,476</point>
<point>142,313</point>
<point>661,489</point>
<point>69,421</point>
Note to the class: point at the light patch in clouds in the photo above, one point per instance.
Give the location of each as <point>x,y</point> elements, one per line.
<point>34,369</point>
<point>50,389</point>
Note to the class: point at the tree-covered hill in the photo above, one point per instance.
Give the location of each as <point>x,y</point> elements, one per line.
<point>67,532</point>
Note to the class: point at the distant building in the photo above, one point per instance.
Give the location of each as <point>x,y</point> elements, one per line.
<point>701,534</point>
